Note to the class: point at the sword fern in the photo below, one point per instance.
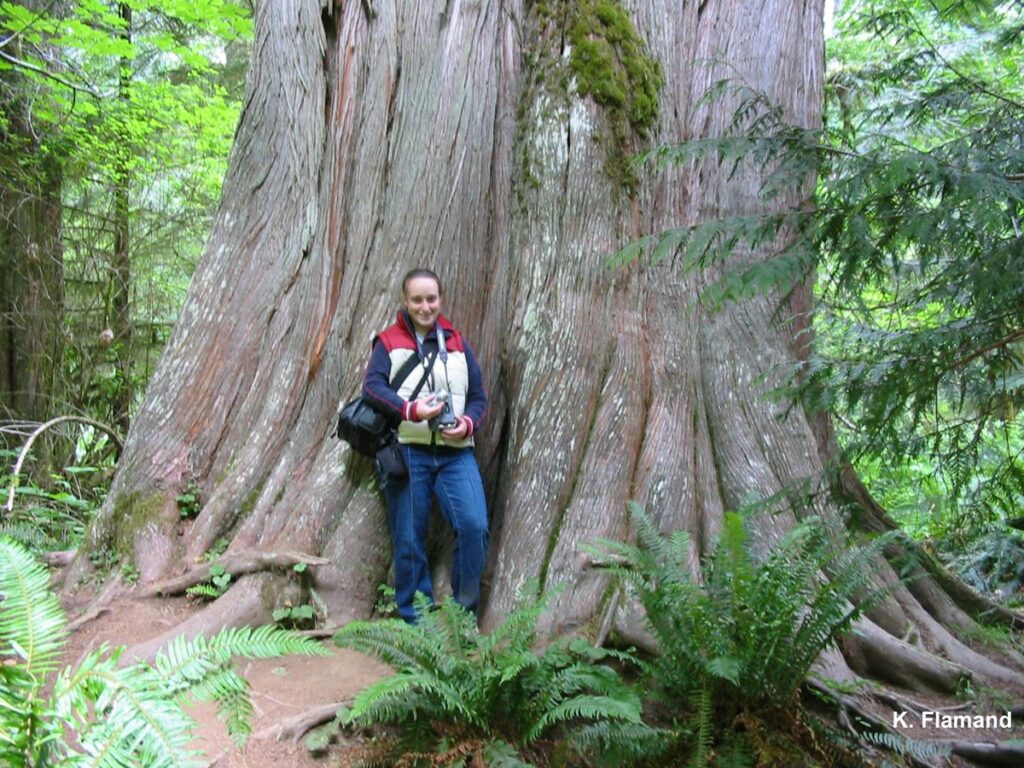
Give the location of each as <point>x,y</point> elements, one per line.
<point>459,693</point>
<point>99,713</point>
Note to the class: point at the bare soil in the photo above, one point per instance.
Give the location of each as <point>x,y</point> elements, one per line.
<point>280,688</point>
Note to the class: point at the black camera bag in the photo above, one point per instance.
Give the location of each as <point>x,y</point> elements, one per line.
<point>367,429</point>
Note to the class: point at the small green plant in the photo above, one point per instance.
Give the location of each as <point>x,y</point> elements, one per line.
<point>51,506</point>
<point>386,605</point>
<point>737,644</point>
<point>220,546</point>
<point>188,502</point>
<point>303,615</point>
<point>295,616</point>
<point>52,517</point>
<point>104,559</point>
<point>218,584</point>
<point>99,713</point>
<point>462,697</point>
<point>129,573</point>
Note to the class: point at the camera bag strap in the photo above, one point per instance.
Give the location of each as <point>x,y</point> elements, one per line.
<point>404,371</point>
<point>428,366</point>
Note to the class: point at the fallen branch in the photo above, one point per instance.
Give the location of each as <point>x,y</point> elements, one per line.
<point>37,432</point>
<point>235,563</point>
<point>294,728</point>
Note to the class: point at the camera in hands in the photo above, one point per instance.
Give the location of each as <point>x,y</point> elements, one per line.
<point>446,418</point>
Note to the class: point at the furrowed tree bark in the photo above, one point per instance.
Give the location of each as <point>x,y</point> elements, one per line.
<point>380,136</point>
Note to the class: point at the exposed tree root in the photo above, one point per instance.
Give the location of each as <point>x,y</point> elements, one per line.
<point>873,653</point>
<point>99,605</point>
<point>294,728</point>
<point>871,516</point>
<point>250,602</point>
<point>939,586</point>
<point>235,563</point>
<point>321,632</point>
<point>58,559</point>
<point>1001,754</point>
<point>853,708</point>
<point>93,613</point>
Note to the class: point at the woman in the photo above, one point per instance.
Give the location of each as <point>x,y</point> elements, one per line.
<point>437,446</point>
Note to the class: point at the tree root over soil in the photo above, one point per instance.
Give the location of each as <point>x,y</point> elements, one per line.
<point>249,602</point>
<point>294,728</point>
<point>235,563</point>
<point>855,708</point>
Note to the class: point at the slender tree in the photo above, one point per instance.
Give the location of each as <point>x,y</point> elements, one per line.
<point>31,254</point>
<point>490,140</point>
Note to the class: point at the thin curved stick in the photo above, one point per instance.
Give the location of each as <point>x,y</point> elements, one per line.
<point>38,431</point>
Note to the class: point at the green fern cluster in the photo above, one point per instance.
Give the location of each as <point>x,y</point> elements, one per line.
<point>97,713</point>
<point>458,694</point>
<point>742,638</point>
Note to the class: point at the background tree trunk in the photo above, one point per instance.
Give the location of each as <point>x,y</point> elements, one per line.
<point>31,258</point>
<point>118,313</point>
<point>379,136</point>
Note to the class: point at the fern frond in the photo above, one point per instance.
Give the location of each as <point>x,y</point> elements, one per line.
<point>585,707</point>
<point>207,591</point>
<point>138,718</point>
<point>705,728</point>
<point>921,751</point>
<point>266,642</point>
<point>396,643</point>
<point>494,687</point>
<point>32,622</point>
<point>617,743</point>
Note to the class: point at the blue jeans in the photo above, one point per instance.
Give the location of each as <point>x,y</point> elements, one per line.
<point>452,475</point>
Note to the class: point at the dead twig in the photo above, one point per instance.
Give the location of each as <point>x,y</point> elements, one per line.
<point>37,432</point>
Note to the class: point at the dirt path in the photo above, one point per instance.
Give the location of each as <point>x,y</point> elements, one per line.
<point>281,688</point>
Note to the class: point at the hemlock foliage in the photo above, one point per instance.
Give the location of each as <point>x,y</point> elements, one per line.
<point>914,234</point>
<point>922,286</point>
<point>97,713</point>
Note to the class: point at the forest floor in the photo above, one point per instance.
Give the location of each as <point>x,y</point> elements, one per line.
<point>280,688</point>
<point>291,686</point>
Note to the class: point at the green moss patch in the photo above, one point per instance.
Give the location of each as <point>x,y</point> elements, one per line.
<point>607,62</point>
<point>611,65</point>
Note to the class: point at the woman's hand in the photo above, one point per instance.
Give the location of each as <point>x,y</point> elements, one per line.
<point>457,432</point>
<point>427,407</point>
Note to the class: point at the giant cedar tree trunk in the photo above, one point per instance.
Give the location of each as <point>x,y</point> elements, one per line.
<point>382,135</point>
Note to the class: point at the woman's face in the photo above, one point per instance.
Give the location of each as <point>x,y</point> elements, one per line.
<point>423,302</point>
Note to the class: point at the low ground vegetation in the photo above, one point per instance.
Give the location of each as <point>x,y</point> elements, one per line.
<point>101,711</point>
